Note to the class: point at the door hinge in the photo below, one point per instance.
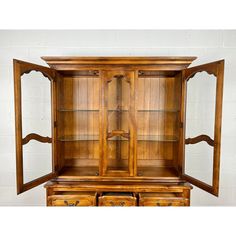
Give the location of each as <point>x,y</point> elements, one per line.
<point>55,124</point>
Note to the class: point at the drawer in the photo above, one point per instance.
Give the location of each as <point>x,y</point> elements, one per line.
<point>162,199</point>
<point>117,199</point>
<point>73,199</point>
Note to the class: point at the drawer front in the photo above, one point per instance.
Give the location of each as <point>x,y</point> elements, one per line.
<point>76,201</point>
<point>117,201</point>
<point>163,202</point>
<point>157,200</point>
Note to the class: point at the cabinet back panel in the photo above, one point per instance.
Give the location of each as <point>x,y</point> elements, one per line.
<point>78,93</point>
<point>78,120</point>
<point>158,106</point>
<point>155,150</point>
<point>78,123</point>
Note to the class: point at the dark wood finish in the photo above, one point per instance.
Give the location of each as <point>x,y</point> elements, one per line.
<point>118,130</point>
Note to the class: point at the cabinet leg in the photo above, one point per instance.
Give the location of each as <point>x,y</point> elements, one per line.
<point>186,194</point>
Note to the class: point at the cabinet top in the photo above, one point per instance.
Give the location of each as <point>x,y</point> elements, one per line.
<point>71,63</point>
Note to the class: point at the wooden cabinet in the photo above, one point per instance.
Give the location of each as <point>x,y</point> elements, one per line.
<point>123,128</point>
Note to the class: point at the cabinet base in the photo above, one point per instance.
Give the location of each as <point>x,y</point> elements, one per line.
<point>117,194</point>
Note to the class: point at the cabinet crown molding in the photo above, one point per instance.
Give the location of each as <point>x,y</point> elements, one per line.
<point>66,61</point>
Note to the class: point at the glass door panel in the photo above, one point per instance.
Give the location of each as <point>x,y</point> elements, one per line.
<point>203,91</point>
<point>34,95</point>
<point>36,119</point>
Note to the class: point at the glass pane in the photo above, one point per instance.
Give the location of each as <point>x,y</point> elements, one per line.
<point>200,115</point>
<point>118,123</point>
<point>36,118</point>
<point>37,160</point>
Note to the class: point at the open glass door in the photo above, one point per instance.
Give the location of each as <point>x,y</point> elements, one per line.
<point>34,87</point>
<point>202,99</point>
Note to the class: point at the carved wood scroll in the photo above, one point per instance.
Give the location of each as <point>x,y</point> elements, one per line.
<point>36,137</point>
<point>46,75</point>
<point>210,68</point>
<point>25,68</point>
<point>200,138</point>
<point>122,75</point>
<point>121,133</point>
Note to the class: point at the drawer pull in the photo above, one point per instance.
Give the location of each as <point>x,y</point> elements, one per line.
<point>169,204</point>
<point>71,204</point>
<point>119,204</point>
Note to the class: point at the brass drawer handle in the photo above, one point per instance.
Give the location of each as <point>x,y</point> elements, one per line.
<point>119,204</point>
<point>71,204</point>
<point>169,204</point>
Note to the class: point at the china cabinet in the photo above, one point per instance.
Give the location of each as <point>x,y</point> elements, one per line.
<point>118,131</point>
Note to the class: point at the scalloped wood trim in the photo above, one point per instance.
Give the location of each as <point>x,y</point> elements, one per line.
<point>26,68</point>
<point>200,138</point>
<point>36,137</point>
<point>210,68</point>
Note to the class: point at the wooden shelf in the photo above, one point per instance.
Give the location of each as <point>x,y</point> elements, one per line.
<point>78,110</point>
<point>143,172</point>
<point>71,138</point>
<point>164,172</point>
<point>116,110</point>
<point>160,110</point>
<point>78,171</point>
<point>149,138</point>
<point>159,138</point>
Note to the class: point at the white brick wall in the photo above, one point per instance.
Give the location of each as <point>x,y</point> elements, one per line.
<point>31,45</point>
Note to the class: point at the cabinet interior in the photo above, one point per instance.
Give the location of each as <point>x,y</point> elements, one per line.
<point>157,111</point>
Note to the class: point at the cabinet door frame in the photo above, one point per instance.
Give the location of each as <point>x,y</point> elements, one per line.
<point>20,68</point>
<point>217,69</point>
<point>106,77</point>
